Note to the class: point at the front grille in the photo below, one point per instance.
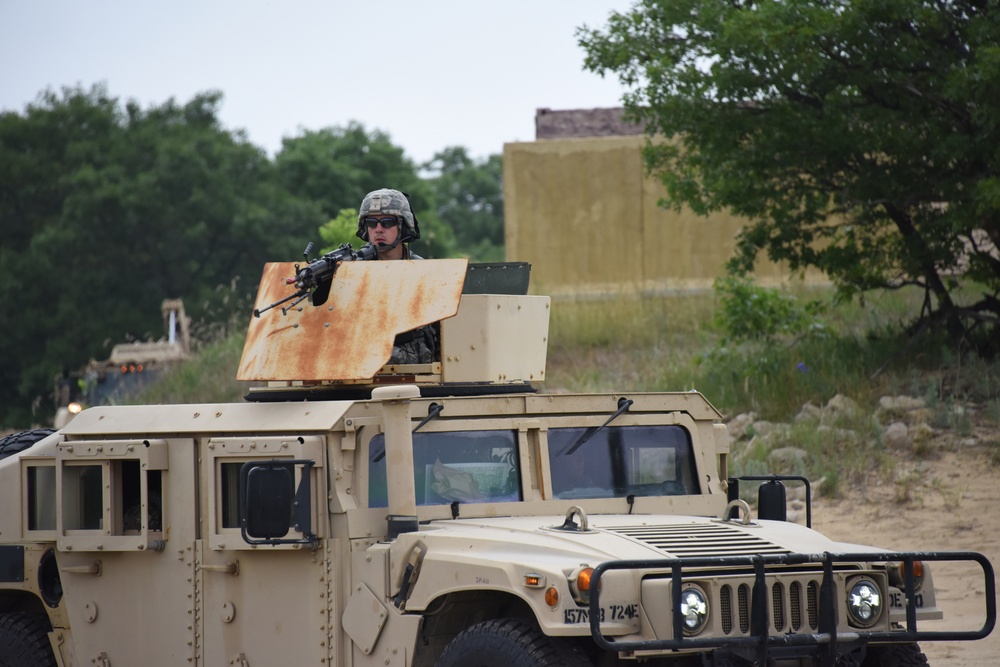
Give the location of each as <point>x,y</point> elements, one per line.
<point>744,610</point>
<point>795,600</point>
<point>778,605</point>
<point>812,587</point>
<point>785,606</point>
<point>726,609</point>
<point>812,603</point>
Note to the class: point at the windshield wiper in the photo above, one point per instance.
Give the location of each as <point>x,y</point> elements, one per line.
<point>433,410</point>
<point>623,405</point>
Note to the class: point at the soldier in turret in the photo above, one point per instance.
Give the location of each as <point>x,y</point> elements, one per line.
<point>386,221</point>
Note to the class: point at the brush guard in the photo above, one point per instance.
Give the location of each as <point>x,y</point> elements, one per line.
<point>759,644</point>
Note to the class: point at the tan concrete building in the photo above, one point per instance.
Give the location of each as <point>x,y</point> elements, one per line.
<point>582,210</point>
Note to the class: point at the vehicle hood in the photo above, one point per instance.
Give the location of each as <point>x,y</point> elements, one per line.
<point>625,537</point>
<point>499,553</point>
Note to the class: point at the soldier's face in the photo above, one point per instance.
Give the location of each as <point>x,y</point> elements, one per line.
<point>379,234</point>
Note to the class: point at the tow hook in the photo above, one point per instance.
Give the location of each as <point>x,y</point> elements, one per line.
<point>570,525</point>
<point>744,508</point>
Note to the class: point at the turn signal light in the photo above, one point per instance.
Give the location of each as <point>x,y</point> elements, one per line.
<point>579,584</point>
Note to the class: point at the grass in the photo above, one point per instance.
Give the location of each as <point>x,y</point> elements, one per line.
<point>674,343</point>
<point>662,343</point>
<point>210,375</point>
<point>209,378</point>
<point>628,344</point>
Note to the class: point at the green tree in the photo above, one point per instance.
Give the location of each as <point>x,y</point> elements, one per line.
<point>468,196</point>
<point>437,240</point>
<point>858,136</point>
<point>110,208</point>
<point>337,166</point>
<point>341,229</point>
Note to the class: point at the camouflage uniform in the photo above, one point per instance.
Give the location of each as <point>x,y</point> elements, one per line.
<point>419,346</point>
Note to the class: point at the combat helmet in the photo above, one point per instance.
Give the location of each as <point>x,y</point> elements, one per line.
<point>389,202</point>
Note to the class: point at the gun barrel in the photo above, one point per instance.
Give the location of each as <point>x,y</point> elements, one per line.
<point>257,311</point>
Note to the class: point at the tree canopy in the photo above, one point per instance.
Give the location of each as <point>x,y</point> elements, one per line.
<point>107,208</point>
<point>458,199</point>
<point>857,136</point>
<point>468,195</point>
<point>337,166</point>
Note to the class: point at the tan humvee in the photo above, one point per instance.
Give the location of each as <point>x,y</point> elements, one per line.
<point>357,514</point>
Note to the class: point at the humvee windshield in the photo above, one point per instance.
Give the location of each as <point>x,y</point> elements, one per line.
<point>463,466</point>
<point>619,461</point>
<point>482,466</point>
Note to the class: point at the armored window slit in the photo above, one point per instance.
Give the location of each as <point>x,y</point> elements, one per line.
<point>108,495</point>
<point>224,459</point>
<point>41,507</point>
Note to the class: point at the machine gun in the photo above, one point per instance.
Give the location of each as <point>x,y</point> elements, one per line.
<point>316,277</point>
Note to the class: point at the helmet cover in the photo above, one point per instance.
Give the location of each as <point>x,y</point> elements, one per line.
<point>389,202</point>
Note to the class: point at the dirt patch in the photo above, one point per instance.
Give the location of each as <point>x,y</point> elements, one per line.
<point>950,502</point>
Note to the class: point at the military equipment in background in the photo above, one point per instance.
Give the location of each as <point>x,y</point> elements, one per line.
<point>448,514</point>
<point>129,368</point>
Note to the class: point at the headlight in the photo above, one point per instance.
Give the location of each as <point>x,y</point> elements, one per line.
<point>694,610</point>
<point>864,603</point>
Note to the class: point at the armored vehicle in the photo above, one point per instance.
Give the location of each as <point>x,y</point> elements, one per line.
<point>352,513</point>
<point>129,368</point>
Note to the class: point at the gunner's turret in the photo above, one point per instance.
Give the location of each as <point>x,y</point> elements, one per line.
<point>493,335</point>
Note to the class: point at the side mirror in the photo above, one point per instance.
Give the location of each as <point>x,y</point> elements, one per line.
<point>269,493</point>
<point>771,501</point>
<point>270,505</point>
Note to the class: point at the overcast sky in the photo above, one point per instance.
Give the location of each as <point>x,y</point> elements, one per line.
<point>430,73</point>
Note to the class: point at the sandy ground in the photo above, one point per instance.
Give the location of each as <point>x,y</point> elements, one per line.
<point>948,503</point>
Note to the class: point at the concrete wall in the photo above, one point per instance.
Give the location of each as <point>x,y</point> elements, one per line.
<point>584,214</point>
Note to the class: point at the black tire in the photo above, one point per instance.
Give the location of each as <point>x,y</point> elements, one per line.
<point>895,655</point>
<point>508,642</point>
<point>24,641</point>
<point>18,442</point>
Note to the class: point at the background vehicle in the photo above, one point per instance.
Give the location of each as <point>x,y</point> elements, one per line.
<point>352,513</point>
<point>129,368</point>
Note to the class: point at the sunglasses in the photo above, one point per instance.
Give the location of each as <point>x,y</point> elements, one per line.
<point>387,223</point>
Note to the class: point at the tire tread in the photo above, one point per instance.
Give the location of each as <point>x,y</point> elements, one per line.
<point>24,641</point>
<point>896,655</point>
<point>18,442</point>
<point>508,642</point>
